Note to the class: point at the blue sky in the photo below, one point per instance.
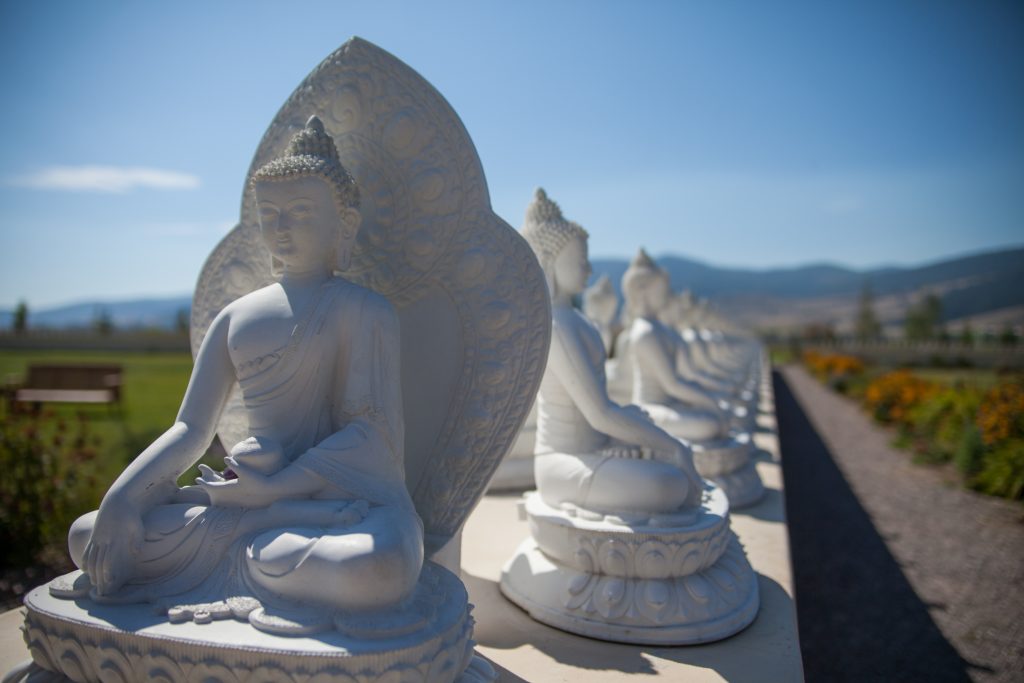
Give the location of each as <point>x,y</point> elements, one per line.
<point>744,134</point>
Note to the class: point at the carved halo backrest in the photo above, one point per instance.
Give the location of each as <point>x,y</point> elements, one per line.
<point>470,295</point>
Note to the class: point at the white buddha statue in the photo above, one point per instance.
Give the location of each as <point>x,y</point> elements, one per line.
<point>591,452</point>
<point>314,508</point>
<point>328,549</point>
<point>622,526</point>
<point>696,359</point>
<point>600,304</point>
<point>714,423</point>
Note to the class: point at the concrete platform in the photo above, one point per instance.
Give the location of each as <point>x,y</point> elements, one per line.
<point>524,650</point>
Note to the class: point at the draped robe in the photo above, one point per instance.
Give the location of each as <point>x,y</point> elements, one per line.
<point>338,383</point>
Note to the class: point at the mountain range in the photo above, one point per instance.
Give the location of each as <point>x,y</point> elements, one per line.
<point>985,288</point>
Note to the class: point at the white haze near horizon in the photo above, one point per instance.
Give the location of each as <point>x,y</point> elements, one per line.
<point>737,135</point>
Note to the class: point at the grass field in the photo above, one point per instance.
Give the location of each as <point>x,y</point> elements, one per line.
<point>154,384</point>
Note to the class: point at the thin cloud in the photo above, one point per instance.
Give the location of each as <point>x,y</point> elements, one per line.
<point>117,179</point>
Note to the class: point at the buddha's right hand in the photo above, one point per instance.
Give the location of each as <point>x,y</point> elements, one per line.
<point>115,542</point>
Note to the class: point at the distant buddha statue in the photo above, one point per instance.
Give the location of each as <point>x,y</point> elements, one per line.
<point>627,542</point>
<point>314,506</point>
<point>712,361</point>
<point>600,304</point>
<point>715,424</point>
<point>590,451</point>
<point>681,406</point>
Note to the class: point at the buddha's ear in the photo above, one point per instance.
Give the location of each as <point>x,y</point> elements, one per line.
<point>350,221</point>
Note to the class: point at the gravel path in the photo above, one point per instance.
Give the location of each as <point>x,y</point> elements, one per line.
<point>900,575</point>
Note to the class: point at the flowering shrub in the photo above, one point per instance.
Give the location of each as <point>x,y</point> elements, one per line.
<point>981,432</point>
<point>1001,415</point>
<point>892,396</point>
<point>1000,420</point>
<point>48,479</point>
<point>834,369</point>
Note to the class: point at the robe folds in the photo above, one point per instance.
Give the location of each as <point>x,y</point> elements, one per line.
<point>338,383</point>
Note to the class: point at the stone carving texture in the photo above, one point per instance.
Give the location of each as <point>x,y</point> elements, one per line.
<point>427,228</point>
<point>63,637</point>
<point>682,583</point>
<point>703,595</point>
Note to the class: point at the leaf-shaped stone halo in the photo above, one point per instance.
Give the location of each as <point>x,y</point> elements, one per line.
<point>469,293</point>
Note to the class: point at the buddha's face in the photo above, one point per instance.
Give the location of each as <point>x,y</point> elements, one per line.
<point>658,293</point>
<point>300,222</point>
<point>572,267</point>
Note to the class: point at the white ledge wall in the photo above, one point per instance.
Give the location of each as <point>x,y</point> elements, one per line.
<point>525,650</point>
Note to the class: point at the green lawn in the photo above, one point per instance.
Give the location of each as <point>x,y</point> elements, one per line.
<point>154,384</point>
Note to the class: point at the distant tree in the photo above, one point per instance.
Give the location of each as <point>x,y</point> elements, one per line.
<point>867,327</point>
<point>181,321</point>
<point>1008,337</point>
<point>819,332</point>
<point>923,320</point>
<point>102,323</point>
<point>20,322</point>
<point>967,335</point>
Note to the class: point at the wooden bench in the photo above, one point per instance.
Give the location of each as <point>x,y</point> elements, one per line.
<point>78,383</point>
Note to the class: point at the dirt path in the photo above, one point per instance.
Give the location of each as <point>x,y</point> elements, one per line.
<point>899,574</point>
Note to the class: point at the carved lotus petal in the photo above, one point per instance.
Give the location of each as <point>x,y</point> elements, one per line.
<point>655,599</point>
<point>584,556</point>
<point>443,666</point>
<point>698,588</point>
<point>610,597</point>
<point>652,560</point>
<point>113,667</point>
<point>615,558</point>
<point>73,661</point>
<point>688,559</point>
<point>271,674</point>
<point>162,669</point>
<point>211,672</point>
<point>39,647</point>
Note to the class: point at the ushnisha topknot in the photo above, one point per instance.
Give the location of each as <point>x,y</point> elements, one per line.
<point>641,272</point>
<point>546,229</point>
<point>312,152</point>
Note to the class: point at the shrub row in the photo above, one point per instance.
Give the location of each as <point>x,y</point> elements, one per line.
<point>980,430</point>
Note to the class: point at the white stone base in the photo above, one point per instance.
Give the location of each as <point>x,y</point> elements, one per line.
<point>728,464</point>
<point>86,641</point>
<point>634,582</point>
<point>743,486</point>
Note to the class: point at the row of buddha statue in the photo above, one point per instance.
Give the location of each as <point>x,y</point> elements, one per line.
<point>629,542</point>
<point>369,341</point>
<point>695,375</point>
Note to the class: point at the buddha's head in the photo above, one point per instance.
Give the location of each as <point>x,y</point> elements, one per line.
<point>308,204</point>
<point>600,302</point>
<point>560,246</point>
<point>645,287</point>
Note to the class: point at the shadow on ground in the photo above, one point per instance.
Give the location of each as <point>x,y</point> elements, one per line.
<point>859,617</point>
<point>502,625</point>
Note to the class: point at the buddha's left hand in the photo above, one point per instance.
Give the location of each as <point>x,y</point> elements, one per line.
<point>250,489</point>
